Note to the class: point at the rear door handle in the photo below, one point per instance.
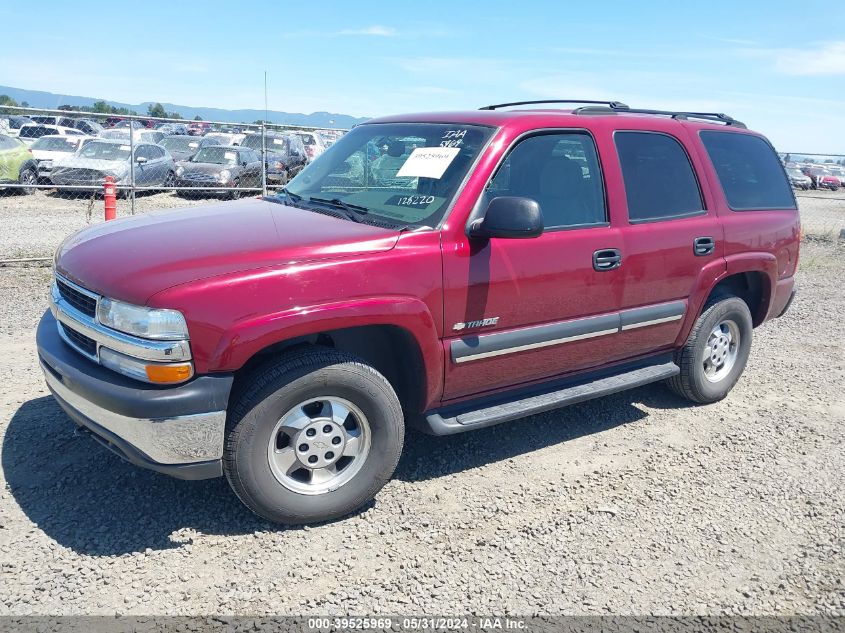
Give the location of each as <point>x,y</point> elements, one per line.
<point>703,246</point>
<point>607,259</point>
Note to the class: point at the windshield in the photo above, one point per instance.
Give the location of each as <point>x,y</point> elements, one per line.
<point>216,156</point>
<point>105,151</point>
<point>188,144</point>
<point>273,143</point>
<point>402,173</point>
<point>308,139</point>
<point>797,173</point>
<point>56,144</point>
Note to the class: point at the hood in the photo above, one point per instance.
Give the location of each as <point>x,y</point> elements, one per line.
<point>134,258</point>
<point>205,168</point>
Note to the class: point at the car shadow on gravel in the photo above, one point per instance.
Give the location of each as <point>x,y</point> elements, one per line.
<point>428,457</point>
<point>93,502</point>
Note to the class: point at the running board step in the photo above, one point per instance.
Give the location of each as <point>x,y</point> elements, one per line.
<point>469,419</point>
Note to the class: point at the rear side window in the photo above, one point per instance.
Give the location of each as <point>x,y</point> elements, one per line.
<point>749,171</point>
<point>659,180</point>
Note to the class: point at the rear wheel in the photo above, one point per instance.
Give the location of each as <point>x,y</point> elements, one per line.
<point>28,177</point>
<point>313,437</point>
<point>714,356</point>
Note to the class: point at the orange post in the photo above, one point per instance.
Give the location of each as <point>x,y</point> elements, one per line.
<point>110,198</point>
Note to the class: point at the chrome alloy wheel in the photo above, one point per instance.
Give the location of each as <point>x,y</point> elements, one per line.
<point>721,351</point>
<point>319,445</point>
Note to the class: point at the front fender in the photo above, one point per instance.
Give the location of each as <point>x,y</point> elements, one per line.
<point>249,336</point>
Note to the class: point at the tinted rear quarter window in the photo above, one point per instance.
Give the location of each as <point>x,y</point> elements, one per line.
<point>749,171</point>
<point>659,181</point>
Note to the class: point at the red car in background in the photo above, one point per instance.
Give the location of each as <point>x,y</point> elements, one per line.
<point>823,178</point>
<point>198,128</point>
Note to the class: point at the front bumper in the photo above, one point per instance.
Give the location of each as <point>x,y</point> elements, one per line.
<point>173,430</point>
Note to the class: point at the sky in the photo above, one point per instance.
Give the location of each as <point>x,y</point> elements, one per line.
<point>777,66</point>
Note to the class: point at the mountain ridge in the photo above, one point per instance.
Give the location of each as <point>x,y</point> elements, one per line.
<point>52,100</point>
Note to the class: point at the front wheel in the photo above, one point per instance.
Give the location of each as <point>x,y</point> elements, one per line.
<point>235,194</point>
<point>714,356</point>
<point>28,177</point>
<point>313,437</point>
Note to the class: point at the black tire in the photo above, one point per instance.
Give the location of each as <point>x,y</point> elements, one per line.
<point>692,383</point>
<point>235,194</point>
<point>28,176</point>
<point>273,389</point>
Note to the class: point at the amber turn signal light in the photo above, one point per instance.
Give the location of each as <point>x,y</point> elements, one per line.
<point>164,374</point>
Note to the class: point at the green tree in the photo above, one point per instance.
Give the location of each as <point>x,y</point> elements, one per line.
<point>197,117</point>
<point>157,110</point>
<point>6,100</point>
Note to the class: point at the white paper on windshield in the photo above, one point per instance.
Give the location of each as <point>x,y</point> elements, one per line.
<point>193,145</point>
<point>230,155</point>
<point>125,148</point>
<point>428,162</point>
<point>278,141</point>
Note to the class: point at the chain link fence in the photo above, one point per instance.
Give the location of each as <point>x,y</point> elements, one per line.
<point>68,154</point>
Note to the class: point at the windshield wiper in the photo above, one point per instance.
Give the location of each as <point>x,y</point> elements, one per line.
<point>290,194</point>
<point>350,209</point>
<point>346,206</point>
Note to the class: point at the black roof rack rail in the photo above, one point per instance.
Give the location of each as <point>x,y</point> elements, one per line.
<point>716,117</point>
<point>617,105</point>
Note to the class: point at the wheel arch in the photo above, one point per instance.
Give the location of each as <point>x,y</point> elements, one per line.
<point>396,335</point>
<point>389,349</point>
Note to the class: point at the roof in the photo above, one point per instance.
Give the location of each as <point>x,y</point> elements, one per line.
<point>578,118</point>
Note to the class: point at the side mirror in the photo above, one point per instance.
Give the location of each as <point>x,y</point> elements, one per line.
<point>140,160</point>
<point>509,217</point>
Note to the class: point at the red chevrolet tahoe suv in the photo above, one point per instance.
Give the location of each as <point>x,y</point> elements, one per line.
<point>449,271</point>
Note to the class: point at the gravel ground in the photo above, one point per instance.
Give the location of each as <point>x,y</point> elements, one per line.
<point>33,226</point>
<point>634,504</point>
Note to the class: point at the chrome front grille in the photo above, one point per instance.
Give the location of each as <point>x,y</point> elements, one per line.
<point>80,341</point>
<point>85,303</point>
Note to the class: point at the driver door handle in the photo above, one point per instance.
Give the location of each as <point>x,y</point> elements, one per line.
<point>607,259</point>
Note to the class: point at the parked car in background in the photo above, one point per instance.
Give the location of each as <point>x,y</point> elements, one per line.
<point>63,121</point>
<point>89,127</point>
<point>286,154</point>
<point>48,149</point>
<point>17,164</point>
<point>99,158</point>
<point>798,179</point>
<point>822,178</point>
<point>10,124</point>
<point>172,128</point>
<point>198,128</point>
<point>226,138</point>
<point>138,135</point>
<point>182,147</point>
<point>130,124</point>
<point>313,143</point>
<point>838,172</point>
<point>29,133</point>
<point>221,166</point>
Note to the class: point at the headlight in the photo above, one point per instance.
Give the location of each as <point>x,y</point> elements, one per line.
<point>152,323</point>
<point>180,170</point>
<point>225,175</point>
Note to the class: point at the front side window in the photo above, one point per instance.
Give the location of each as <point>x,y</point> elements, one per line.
<point>749,171</point>
<point>409,179</point>
<point>561,173</point>
<point>659,179</point>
